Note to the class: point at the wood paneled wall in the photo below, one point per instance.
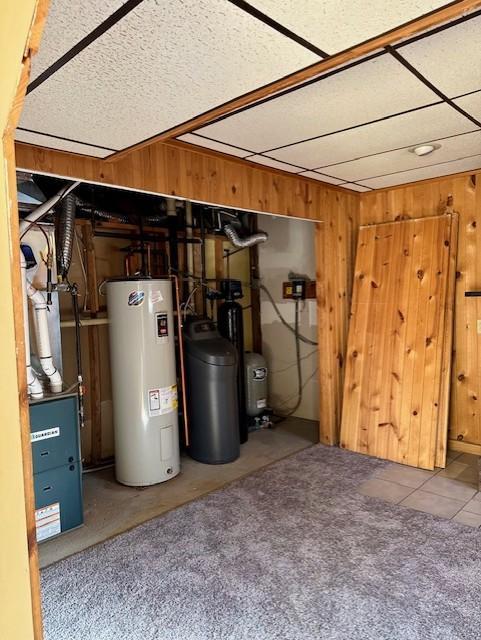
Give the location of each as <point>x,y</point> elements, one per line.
<point>178,169</point>
<point>463,194</point>
<point>336,240</point>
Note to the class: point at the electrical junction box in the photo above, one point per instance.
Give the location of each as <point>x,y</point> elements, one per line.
<point>299,289</point>
<point>57,467</point>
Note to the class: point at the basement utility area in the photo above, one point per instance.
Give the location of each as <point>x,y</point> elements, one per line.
<point>169,341</point>
<point>240,320</point>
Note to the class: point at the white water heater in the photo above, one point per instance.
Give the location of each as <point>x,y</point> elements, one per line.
<point>144,380</point>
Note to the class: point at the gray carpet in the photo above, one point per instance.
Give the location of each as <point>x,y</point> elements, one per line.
<point>290,553</point>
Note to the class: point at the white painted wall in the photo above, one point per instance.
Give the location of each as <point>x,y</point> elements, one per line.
<point>290,248</point>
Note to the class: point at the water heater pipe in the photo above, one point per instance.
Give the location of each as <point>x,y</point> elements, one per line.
<point>181,357</point>
<point>43,338</point>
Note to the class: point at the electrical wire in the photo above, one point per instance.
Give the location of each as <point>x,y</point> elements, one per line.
<point>283,320</point>
<point>293,364</point>
<point>300,385</point>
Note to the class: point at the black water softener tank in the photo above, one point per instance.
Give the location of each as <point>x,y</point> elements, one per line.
<point>230,323</point>
<point>211,368</point>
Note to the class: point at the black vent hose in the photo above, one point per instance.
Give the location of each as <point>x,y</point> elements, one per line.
<point>65,230</point>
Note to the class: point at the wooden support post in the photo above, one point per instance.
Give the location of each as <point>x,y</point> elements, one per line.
<point>92,291</point>
<point>94,391</point>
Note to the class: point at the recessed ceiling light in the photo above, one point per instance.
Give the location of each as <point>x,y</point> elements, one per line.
<point>424,149</point>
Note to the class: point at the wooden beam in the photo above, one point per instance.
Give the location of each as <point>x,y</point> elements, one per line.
<point>447,13</point>
<point>200,175</point>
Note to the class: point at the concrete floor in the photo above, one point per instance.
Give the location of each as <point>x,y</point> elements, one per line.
<point>111,508</point>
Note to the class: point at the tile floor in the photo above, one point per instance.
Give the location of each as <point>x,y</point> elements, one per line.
<point>450,493</point>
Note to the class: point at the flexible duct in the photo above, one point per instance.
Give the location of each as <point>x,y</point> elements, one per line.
<point>65,234</point>
<point>248,241</point>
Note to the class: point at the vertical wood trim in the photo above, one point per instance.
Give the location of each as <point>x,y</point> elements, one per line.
<point>447,356</point>
<point>9,151</point>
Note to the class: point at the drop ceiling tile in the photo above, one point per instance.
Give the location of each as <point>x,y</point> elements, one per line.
<point>404,130</point>
<point>403,160</point>
<point>42,140</point>
<point>215,146</point>
<point>162,64</point>
<point>471,104</point>
<point>333,26</point>
<point>371,90</point>
<point>275,164</point>
<point>355,187</point>
<point>434,171</point>
<point>450,59</point>
<point>321,177</point>
<point>67,23</point>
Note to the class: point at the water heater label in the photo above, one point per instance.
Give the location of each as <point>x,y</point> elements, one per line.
<point>262,403</point>
<point>163,400</point>
<point>47,521</point>
<point>162,327</point>
<point>156,296</point>
<point>44,434</point>
<point>136,298</point>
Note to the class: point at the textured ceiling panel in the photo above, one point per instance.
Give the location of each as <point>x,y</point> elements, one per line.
<point>405,130</point>
<point>471,104</point>
<point>403,159</point>
<point>321,177</point>
<point>451,59</point>
<point>215,146</point>
<point>365,92</point>
<point>61,145</point>
<point>67,23</point>
<point>274,164</point>
<point>162,64</point>
<point>333,26</point>
<point>447,168</point>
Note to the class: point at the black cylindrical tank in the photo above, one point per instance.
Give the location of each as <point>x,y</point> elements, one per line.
<point>230,324</point>
<point>211,366</point>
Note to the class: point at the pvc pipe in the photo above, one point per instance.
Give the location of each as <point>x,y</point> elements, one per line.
<point>44,208</point>
<point>33,383</point>
<point>43,338</point>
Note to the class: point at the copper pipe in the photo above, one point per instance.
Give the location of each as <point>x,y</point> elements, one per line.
<point>181,354</point>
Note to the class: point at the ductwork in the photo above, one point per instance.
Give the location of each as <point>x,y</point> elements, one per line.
<point>248,241</point>
<point>65,229</point>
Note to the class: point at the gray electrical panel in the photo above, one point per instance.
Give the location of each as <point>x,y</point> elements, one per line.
<point>57,467</point>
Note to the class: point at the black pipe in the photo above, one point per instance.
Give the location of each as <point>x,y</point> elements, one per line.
<point>80,389</point>
<point>203,266</point>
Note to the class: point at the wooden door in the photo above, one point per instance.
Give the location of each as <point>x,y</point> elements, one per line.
<point>399,343</point>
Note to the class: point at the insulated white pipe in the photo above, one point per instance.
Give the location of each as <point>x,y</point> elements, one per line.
<point>43,338</point>
<point>34,386</point>
<point>44,208</point>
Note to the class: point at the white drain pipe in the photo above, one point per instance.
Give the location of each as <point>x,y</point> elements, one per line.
<point>34,386</point>
<point>43,338</point>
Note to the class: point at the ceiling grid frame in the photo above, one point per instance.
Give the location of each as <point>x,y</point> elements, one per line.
<point>392,50</point>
